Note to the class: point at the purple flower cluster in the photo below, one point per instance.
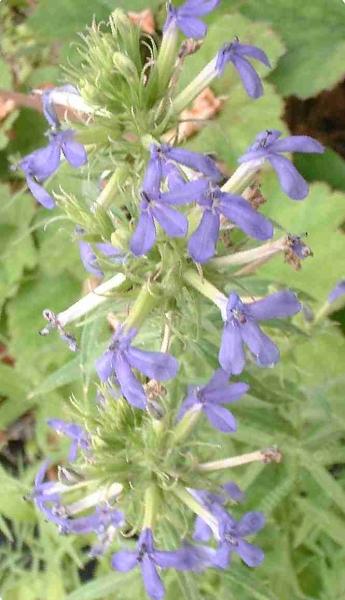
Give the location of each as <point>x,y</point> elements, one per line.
<point>42,163</point>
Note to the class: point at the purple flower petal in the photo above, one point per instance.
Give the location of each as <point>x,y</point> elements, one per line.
<point>278,305</point>
<point>186,193</point>
<point>199,8</point>
<point>156,365</point>
<point>73,151</point>
<point>187,405</point>
<point>231,355</point>
<point>124,560</point>
<point>265,351</point>
<point>250,554</point>
<point>253,52</point>
<point>89,259</point>
<point>291,181</point>
<point>202,242</point>
<point>337,292</point>
<point>105,365</point>
<point>40,194</point>
<point>245,217</point>
<point>152,582</point>
<point>144,236</point>
<point>297,143</point>
<point>235,493</point>
<point>174,223</point>
<point>222,557</point>
<point>220,418</point>
<point>192,28</point>
<point>45,161</point>
<point>202,531</point>
<point>131,388</point>
<point>250,79</point>
<point>250,523</point>
<point>198,162</point>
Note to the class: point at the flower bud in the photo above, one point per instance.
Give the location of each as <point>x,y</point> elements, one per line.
<point>125,66</point>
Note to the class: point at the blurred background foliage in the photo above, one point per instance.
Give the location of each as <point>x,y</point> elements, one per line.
<point>298,406</point>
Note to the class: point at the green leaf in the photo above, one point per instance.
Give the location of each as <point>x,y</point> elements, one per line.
<point>320,215</point>
<point>100,587</point>
<point>328,167</point>
<point>5,76</point>
<point>314,34</point>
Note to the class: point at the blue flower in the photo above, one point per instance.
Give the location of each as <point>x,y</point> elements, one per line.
<point>209,400</point>
<point>78,436</point>
<point>241,328</point>
<point>337,292</point>
<point>186,17</point>
<point>121,357</point>
<point>237,54</point>
<point>267,146</point>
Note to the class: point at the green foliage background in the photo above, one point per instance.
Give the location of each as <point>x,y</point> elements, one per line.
<point>298,406</point>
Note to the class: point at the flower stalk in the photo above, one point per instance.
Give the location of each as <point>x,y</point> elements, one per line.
<point>266,456</point>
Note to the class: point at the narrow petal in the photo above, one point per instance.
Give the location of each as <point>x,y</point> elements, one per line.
<point>202,243</point>
<point>337,292</point>
<point>89,259</point>
<point>187,558</point>
<point>144,236</point>
<point>250,523</point>
<point>253,52</point>
<point>40,194</point>
<point>278,305</point>
<point>45,161</point>
<point>105,365</point>
<point>235,493</point>
<point>191,27</point>
<point>202,531</point>
<point>291,181</point>
<point>174,223</point>
<point>156,365</point>
<point>198,162</point>
<point>245,217</point>
<point>222,557</point>
<point>152,582</point>
<point>220,418</point>
<point>265,351</point>
<point>250,79</point>
<point>250,554</point>
<point>297,143</point>
<point>131,388</point>
<point>152,176</point>
<point>231,354</point>
<point>124,560</point>
<point>74,152</point>
<point>228,393</point>
<point>186,193</point>
<point>188,403</point>
<point>199,8</point>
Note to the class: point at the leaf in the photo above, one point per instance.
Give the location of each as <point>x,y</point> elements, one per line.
<point>5,76</point>
<point>327,483</point>
<point>321,215</point>
<point>328,167</point>
<point>100,587</point>
<point>324,519</point>
<point>241,118</point>
<point>315,38</point>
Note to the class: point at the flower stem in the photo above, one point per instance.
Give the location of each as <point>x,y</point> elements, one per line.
<point>201,81</point>
<point>242,177</point>
<point>167,56</point>
<point>266,456</point>
<point>91,300</point>
<point>265,251</point>
<point>189,500</point>
<point>206,288</point>
<point>105,198</point>
<point>187,423</point>
<point>144,303</point>
<point>151,502</point>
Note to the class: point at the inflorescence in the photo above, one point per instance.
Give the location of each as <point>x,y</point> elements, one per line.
<point>132,471</point>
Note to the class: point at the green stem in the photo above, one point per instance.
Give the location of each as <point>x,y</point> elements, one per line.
<point>167,56</point>
<point>144,303</point>
<point>187,424</point>
<point>242,177</point>
<point>117,179</point>
<point>201,81</point>
<point>205,288</point>
<point>151,501</point>
<point>265,251</point>
<point>265,456</point>
<point>188,499</point>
